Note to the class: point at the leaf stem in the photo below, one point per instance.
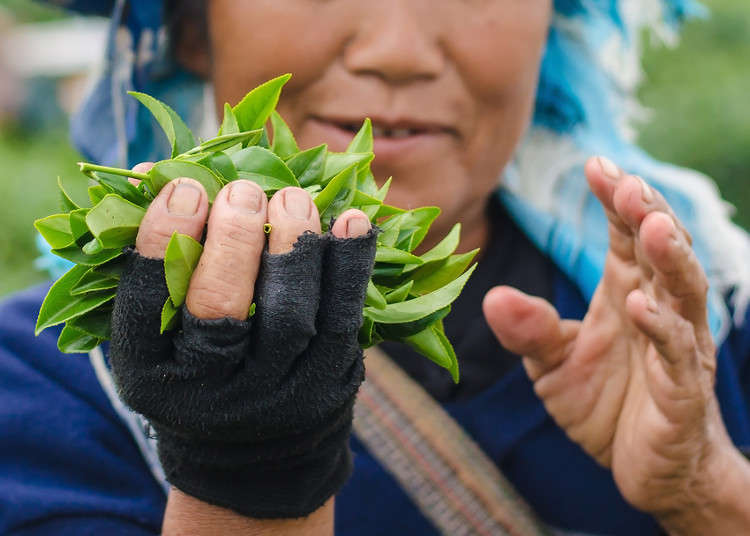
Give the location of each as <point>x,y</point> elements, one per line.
<point>86,168</point>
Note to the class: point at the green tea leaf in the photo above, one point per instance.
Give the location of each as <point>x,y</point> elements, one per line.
<point>264,168</point>
<point>362,142</point>
<point>55,230</point>
<point>374,298</point>
<point>395,256</point>
<point>399,294</point>
<point>412,227</point>
<point>308,165</point>
<point>362,199</point>
<point>223,142</point>
<point>414,309</point>
<point>406,329</point>
<point>229,124</point>
<point>59,306</point>
<point>442,250</point>
<point>114,221</point>
<point>93,281</point>
<point>74,341</point>
<point>76,255</point>
<point>178,134</point>
<point>433,344</point>
<point>168,170</point>
<point>69,203</point>
<point>434,275</point>
<point>337,195</point>
<point>284,143</point>
<point>338,162</point>
<point>121,186</point>
<point>92,247</point>
<point>253,111</point>
<point>97,193</point>
<point>169,316</point>
<point>78,226</point>
<point>387,210</point>
<point>222,165</point>
<point>181,258</point>
<point>112,269</point>
<point>96,323</point>
<point>367,336</point>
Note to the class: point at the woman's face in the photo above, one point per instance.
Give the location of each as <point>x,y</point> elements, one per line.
<point>449,84</point>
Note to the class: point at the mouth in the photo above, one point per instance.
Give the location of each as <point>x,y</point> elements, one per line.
<point>394,139</point>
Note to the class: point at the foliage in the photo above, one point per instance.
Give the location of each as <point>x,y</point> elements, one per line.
<point>407,297</point>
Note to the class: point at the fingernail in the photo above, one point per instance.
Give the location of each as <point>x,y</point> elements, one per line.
<point>297,203</point>
<point>357,227</point>
<point>609,168</point>
<point>646,193</point>
<point>245,196</point>
<point>184,200</point>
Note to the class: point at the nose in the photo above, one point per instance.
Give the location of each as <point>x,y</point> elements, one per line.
<point>395,43</point>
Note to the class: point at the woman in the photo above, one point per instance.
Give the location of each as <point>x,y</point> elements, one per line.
<point>634,438</point>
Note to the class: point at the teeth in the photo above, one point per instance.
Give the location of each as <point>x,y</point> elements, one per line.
<point>396,133</point>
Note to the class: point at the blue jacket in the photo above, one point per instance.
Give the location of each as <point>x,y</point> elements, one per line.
<point>70,466</point>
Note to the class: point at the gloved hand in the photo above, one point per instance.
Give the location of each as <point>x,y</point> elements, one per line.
<point>252,415</point>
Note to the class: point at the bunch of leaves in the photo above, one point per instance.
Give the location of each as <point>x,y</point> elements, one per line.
<point>408,295</point>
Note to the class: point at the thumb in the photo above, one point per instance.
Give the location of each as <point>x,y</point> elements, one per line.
<point>528,326</point>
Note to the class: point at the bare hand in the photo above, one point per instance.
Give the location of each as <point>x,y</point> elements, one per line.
<point>633,383</point>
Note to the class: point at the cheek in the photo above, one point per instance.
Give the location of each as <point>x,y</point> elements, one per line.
<point>250,46</point>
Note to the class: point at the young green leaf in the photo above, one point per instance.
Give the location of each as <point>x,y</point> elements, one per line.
<point>59,306</point>
<point>76,255</point>
<point>55,230</point>
<point>433,344</point>
<point>181,258</point>
<point>169,317</point>
<point>78,227</point>
<point>395,256</point>
<point>414,309</point>
<point>97,193</point>
<point>93,281</point>
<point>337,194</point>
<point>362,142</point>
<point>120,185</point>
<point>442,250</point>
<point>229,124</point>
<point>264,168</point>
<point>222,165</point>
<point>74,341</point>
<point>112,269</point>
<point>406,329</point>
<point>253,111</point>
<point>179,135</point>
<point>223,142</point>
<point>168,170</point>
<point>434,275</point>
<point>308,165</point>
<point>68,202</point>
<point>374,297</point>
<point>114,221</point>
<point>96,323</point>
<point>338,162</point>
<point>92,247</point>
<point>399,294</point>
<point>284,143</point>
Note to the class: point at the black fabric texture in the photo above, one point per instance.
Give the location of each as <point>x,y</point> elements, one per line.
<point>509,258</point>
<point>252,415</point>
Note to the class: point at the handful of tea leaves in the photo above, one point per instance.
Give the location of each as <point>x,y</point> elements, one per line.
<point>408,295</point>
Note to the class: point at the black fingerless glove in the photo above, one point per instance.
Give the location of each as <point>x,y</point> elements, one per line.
<point>254,416</point>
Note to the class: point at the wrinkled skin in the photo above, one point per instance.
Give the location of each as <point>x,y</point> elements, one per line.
<point>633,382</point>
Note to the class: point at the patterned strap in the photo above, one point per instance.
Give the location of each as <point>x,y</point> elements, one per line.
<point>449,478</point>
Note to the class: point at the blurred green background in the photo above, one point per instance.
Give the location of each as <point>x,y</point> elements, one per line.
<point>698,95</point>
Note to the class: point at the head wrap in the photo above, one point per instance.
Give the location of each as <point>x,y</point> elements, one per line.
<point>585,106</point>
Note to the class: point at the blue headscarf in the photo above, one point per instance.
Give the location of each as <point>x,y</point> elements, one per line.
<point>584,106</point>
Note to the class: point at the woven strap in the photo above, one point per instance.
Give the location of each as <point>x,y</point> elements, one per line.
<point>449,478</point>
